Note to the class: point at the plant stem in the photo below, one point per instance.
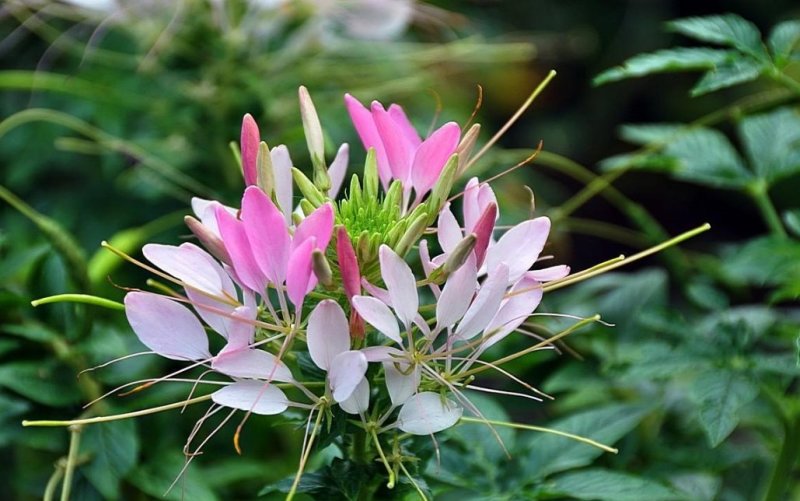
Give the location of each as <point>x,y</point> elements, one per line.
<point>768,212</point>
<point>52,483</point>
<point>520,426</point>
<point>790,451</point>
<point>72,456</point>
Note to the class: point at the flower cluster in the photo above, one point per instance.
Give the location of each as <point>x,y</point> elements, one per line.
<point>288,283</point>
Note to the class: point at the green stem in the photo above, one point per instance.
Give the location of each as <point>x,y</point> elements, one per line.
<point>72,456</point>
<point>80,298</point>
<point>768,212</point>
<point>52,483</point>
<point>790,451</point>
<point>520,426</point>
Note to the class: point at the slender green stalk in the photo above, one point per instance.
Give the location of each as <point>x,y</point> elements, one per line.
<point>385,462</point>
<point>52,483</point>
<point>788,456</point>
<point>79,298</point>
<point>520,426</point>
<point>767,208</point>
<point>304,458</point>
<point>72,457</point>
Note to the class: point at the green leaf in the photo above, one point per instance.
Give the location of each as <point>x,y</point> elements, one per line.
<point>727,29</point>
<point>727,75</point>
<point>776,363</point>
<point>113,447</point>
<point>705,156</point>
<point>720,395</point>
<point>155,477</point>
<point>479,439</point>
<point>783,40</point>
<point>766,261</point>
<point>772,143</point>
<point>43,382</point>
<point>600,484</point>
<point>550,453</point>
<point>643,134</point>
<point>697,486</point>
<point>665,61</point>
<point>792,220</point>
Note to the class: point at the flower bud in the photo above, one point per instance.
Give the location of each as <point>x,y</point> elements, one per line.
<point>265,176</point>
<point>371,180</point>
<point>465,148</point>
<point>442,188</point>
<point>321,268</point>
<point>412,234</point>
<point>460,253</point>
<point>307,188</point>
<point>248,143</point>
<point>314,140</point>
<point>483,229</point>
<point>348,263</point>
<point>210,241</point>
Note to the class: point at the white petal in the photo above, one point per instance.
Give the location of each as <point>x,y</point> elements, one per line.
<point>239,328</point>
<point>519,247</point>
<point>485,305</point>
<point>448,230</point>
<point>524,298</point>
<point>166,327</point>
<point>358,402</point>
<point>400,283</point>
<point>328,333</point>
<point>376,291</point>
<point>252,363</point>
<point>347,370</point>
<point>252,396</point>
<point>457,294</point>
<point>426,413</point>
<point>378,315</point>
<point>204,210</point>
<point>381,353</point>
<point>188,263</point>
<point>549,274</point>
<point>402,380</point>
<point>338,169</point>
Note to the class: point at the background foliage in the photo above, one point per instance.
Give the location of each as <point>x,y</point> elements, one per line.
<point>124,118</point>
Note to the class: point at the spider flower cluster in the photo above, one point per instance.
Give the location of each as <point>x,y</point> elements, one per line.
<point>318,302</point>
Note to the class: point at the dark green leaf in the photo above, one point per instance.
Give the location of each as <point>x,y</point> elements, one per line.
<point>798,350</point>
<point>663,61</point>
<point>763,261</point>
<point>481,441</point>
<point>113,448</point>
<point>783,40</point>
<point>726,29</point>
<point>720,395</point>
<point>706,156</point>
<point>155,477</point>
<point>600,484</point>
<point>792,220</point>
<point>650,133</point>
<point>772,143</point>
<point>697,486</point>
<point>43,382</point>
<point>550,453</point>
<point>778,363</point>
<point>727,75</point>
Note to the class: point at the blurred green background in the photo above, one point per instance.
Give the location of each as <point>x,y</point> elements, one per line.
<point>114,117</point>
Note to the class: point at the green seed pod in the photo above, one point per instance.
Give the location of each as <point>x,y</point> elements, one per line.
<point>460,253</point>
<point>441,191</point>
<point>322,268</point>
<point>412,235</point>
<point>371,179</point>
<point>307,188</point>
<point>266,178</point>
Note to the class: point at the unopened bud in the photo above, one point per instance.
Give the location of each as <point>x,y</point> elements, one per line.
<point>356,325</point>
<point>314,140</point>
<point>441,190</point>
<point>465,147</point>
<point>460,253</point>
<point>307,188</point>
<point>371,180</point>
<point>322,269</point>
<point>412,235</point>
<point>210,241</point>
<point>266,178</point>
<point>248,142</point>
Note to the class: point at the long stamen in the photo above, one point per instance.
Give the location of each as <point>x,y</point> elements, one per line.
<point>520,426</point>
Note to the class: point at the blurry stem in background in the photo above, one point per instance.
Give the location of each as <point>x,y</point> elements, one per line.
<point>759,191</point>
<point>72,458</point>
<point>749,104</point>
<point>788,456</point>
<point>604,230</point>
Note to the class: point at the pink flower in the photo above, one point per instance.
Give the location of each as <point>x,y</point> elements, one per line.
<point>401,153</point>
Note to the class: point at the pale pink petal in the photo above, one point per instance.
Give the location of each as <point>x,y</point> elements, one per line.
<point>252,396</point>
<point>212,311</point>
<point>250,139</point>
<point>188,263</point>
<point>524,297</point>
<point>267,233</point>
<point>358,402</point>
<point>399,150</point>
<point>365,127</point>
<point>238,246</point>
<point>284,184</point>
<point>427,413</point>
<point>381,353</point>
<point>252,363</point>
<point>400,283</point>
<point>239,329</point>
<point>549,274</point>
<point>338,169</point>
<point>432,155</point>
<point>205,212</point>
<point>404,124</point>
<point>485,305</point>
<point>477,197</point>
<point>483,230</point>
<point>346,372</point>
<point>376,291</point>
<point>378,315</point>
<point>300,278</point>
<point>448,231</point>
<point>519,247</point>
<point>166,327</point>
<point>402,380</point>
<point>328,333</point>
<point>348,264</point>
<point>318,224</point>
<point>457,294</point>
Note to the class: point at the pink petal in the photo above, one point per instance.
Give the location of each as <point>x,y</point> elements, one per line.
<point>267,233</point>
<point>252,396</point>
<point>448,231</point>
<point>348,264</point>
<point>400,283</point>
<point>376,291</point>
<point>238,246</point>
<point>381,353</point>
<point>486,303</point>
<point>432,155</point>
<point>358,402</point>
<point>378,315</point>
<point>365,127</point>
<point>166,327</point>
<point>282,171</point>
<point>328,333</point>
<point>426,413</point>
<point>477,197</point>
<point>338,169</point>
<point>399,150</point>
<point>525,296</point>
<point>250,139</point>
<point>402,382</point>
<point>240,329</point>
<point>346,372</point>
<point>318,224</point>
<point>549,274</point>
<point>300,278</point>
<point>483,230</point>
<point>188,263</point>
<point>519,247</point>
<point>205,212</point>
<point>457,295</point>
<point>252,364</point>
<point>404,124</point>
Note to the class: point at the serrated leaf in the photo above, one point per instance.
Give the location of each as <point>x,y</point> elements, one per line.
<point>113,448</point>
<point>720,395</point>
<point>550,453</point>
<point>727,29</point>
<point>705,156</point>
<point>606,485</point>
<point>772,143</point>
<point>783,39</point>
<point>697,486</point>
<point>727,75</point>
<point>665,61</point>
<point>766,261</point>
<point>46,383</point>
